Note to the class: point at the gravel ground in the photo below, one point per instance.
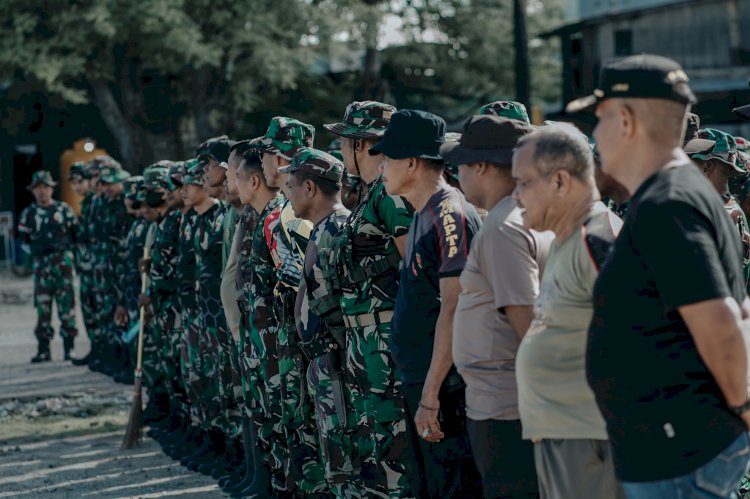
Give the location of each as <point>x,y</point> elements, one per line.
<point>61,426</point>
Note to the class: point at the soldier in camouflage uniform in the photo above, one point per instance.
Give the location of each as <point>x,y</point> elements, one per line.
<point>126,313</point>
<point>302,468</point>
<point>506,109</point>
<point>315,194</point>
<point>86,247</point>
<point>48,232</point>
<point>719,165</point>
<point>207,245</point>
<point>365,260</point>
<point>112,225</point>
<point>259,325</point>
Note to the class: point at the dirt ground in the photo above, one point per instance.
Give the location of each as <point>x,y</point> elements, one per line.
<point>61,426</point>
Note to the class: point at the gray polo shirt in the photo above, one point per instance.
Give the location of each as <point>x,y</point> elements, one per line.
<point>503,268</point>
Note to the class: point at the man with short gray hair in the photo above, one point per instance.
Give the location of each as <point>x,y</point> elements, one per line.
<point>554,172</point>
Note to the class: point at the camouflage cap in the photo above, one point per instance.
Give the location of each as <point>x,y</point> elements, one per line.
<point>111,172</point>
<point>95,165</point>
<point>193,174</point>
<point>217,148</point>
<point>334,149</point>
<point>315,162</point>
<point>363,120</point>
<point>174,175</point>
<point>506,109</point>
<point>724,150</point>
<point>155,176</point>
<point>78,169</point>
<point>743,152</point>
<point>131,187</point>
<point>286,136</point>
<point>41,177</point>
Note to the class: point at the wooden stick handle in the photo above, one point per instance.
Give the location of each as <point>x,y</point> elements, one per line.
<point>144,284</point>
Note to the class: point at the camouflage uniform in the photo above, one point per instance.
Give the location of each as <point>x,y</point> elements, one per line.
<point>364,268</point>
<point>112,227</point>
<point>244,239</point>
<point>725,151</point>
<point>263,362</point>
<point>84,264</point>
<point>49,235</point>
<point>191,364</point>
<point>303,470</point>
<point>321,328</point>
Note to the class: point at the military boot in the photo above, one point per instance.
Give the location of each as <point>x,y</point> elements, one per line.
<point>43,353</point>
<point>68,345</point>
<point>261,484</point>
<point>247,454</point>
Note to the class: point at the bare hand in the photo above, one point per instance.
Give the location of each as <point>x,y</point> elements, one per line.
<point>144,265</point>
<point>121,316</point>
<point>426,421</point>
<point>746,418</point>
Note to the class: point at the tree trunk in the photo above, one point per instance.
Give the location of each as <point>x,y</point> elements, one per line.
<point>520,38</point>
<point>201,103</point>
<point>372,85</point>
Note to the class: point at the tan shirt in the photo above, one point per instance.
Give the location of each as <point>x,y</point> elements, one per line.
<point>229,292</point>
<point>503,268</point>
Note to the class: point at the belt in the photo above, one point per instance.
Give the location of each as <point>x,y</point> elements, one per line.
<point>363,320</point>
<point>318,346</point>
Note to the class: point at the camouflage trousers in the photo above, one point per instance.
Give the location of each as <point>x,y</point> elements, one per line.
<point>381,412</point>
<point>337,435</point>
<point>191,365</point>
<point>266,385</point>
<point>105,304</point>
<point>169,322</point>
<point>248,366</point>
<point>208,373</point>
<point>53,281</point>
<point>226,371</point>
<point>303,468</point>
<point>88,301</point>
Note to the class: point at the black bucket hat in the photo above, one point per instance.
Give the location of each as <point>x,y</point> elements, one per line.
<point>412,134</point>
<point>486,138</point>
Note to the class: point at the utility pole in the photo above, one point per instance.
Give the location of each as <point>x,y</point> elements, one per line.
<point>521,45</point>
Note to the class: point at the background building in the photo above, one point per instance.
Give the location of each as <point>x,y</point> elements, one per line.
<point>710,38</point>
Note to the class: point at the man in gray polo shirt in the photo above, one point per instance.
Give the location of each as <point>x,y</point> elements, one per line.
<point>498,287</point>
<point>554,171</point>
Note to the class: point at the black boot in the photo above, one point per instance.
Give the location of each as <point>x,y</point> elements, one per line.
<point>217,466</point>
<point>83,361</point>
<point>68,345</point>
<point>236,469</point>
<point>43,353</point>
<point>261,485</point>
<point>247,455</point>
<point>95,356</point>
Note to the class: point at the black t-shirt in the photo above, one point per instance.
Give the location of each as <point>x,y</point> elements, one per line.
<point>665,414</point>
<point>438,245</point>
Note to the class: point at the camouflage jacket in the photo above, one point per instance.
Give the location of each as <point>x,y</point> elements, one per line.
<point>319,305</point>
<point>83,250</point>
<point>247,224</point>
<point>185,267</point>
<point>364,258</point>
<point>743,232</point>
<point>264,277</point>
<point>48,231</point>
<point>129,274</point>
<point>208,243</point>
<point>164,256</point>
<point>229,225</point>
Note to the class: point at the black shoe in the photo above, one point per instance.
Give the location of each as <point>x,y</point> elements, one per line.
<point>43,353</point>
<point>41,357</point>
<point>68,345</point>
<point>83,361</point>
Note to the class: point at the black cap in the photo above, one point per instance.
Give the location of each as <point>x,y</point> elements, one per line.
<point>216,147</point>
<point>412,134</point>
<point>642,76</point>
<point>486,138</point>
<point>743,111</point>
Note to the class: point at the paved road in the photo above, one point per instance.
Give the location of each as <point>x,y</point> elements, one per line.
<point>61,425</point>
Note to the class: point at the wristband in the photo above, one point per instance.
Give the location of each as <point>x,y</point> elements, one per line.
<point>737,409</point>
<point>428,408</point>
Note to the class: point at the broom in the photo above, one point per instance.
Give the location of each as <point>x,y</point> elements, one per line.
<point>133,433</point>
